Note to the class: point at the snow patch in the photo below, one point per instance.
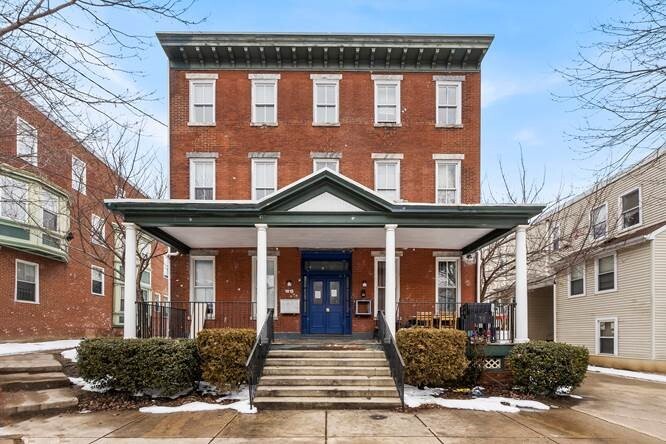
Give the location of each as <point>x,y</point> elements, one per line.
<point>87,386</point>
<point>241,404</point>
<point>17,348</point>
<point>653,377</point>
<point>415,397</point>
<point>71,354</point>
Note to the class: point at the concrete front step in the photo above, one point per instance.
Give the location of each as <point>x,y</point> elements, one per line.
<point>330,354</point>
<point>33,381</point>
<point>36,401</point>
<point>327,362</point>
<point>29,363</point>
<point>298,402</point>
<point>285,380</point>
<point>332,371</point>
<point>341,391</point>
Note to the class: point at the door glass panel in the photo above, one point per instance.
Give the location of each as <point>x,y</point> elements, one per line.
<point>334,292</point>
<point>317,292</point>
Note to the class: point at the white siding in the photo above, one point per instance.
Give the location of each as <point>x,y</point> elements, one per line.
<point>660,295</point>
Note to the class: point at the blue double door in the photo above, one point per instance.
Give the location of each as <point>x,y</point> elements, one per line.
<point>326,300</point>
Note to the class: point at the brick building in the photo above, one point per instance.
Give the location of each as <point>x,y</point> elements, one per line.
<point>59,274</point>
<point>326,177</point>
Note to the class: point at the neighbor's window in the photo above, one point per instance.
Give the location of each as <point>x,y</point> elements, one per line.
<point>449,103</point>
<point>320,164</point>
<point>555,237</point>
<point>202,102</point>
<point>447,178</point>
<point>606,278</point>
<point>97,280</point>
<point>97,230</point>
<point>264,101</point>
<point>387,102</point>
<point>387,178</point>
<point>264,177</point>
<point>325,101</point>
<point>26,141</point>
<point>27,281</point>
<point>631,208</point>
<point>79,175</point>
<point>204,284</point>
<point>607,331</point>
<point>13,199</point>
<point>599,220</point>
<point>202,179</point>
<point>577,280</point>
<point>271,281</point>
<point>447,285</point>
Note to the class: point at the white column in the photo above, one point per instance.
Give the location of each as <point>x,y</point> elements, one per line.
<point>389,294</point>
<point>129,328</point>
<point>521,284</point>
<point>260,291</point>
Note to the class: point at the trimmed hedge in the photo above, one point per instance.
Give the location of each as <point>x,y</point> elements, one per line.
<point>432,357</point>
<point>165,366</point>
<point>223,355</point>
<point>541,367</point>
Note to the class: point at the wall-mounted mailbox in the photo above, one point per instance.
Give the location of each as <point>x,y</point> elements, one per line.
<point>290,306</point>
<point>363,307</point>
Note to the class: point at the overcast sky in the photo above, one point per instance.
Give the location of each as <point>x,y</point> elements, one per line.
<point>532,39</point>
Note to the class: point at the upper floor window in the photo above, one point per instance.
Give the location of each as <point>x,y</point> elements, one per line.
<point>325,91</point>
<point>630,206</point>
<point>320,164</point>
<point>97,280</point>
<point>202,98</point>
<point>264,98</point>
<point>49,211</point>
<point>387,178</point>
<point>27,282</point>
<point>97,230</point>
<point>13,199</point>
<point>264,177</point>
<point>599,221</point>
<point>555,236</point>
<point>606,273</point>
<point>387,99</point>
<point>449,103</point>
<point>447,179</point>
<point>202,179</point>
<point>79,175</point>
<point>577,280</point>
<point>26,141</point>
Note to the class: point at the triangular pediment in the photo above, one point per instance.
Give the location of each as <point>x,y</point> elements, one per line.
<point>326,203</point>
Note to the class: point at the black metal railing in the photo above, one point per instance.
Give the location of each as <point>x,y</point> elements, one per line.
<point>185,319</point>
<point>396,363</point>
<point>255,362</point>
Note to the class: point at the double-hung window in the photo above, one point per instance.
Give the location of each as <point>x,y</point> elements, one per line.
<point>387,178</point>
<point>606,271</point>
<point>97,230</point>
<point>271,287</point>
<point>97,280</point>
<point>380,283</point>
<point>387,99</point>
<point>449,103</point>
<point>203,285</point>
<point>599,221</point>
<point>447,178</point>
<point>607,336</point>
<point>320,164</point>
<point>577,280</point>
<point>264,98</point>
<point>49,211</point>
<point>202,98</point>
<point>26,141</point>
<point>27,282</point>
<point>555,236</point>
<point>325,91</point>
<point>13,199</point>
<point>202,179</point>
<point>264,177</point>
<point>79,172</point>
<point>630,206</point>
<point>446,298</point>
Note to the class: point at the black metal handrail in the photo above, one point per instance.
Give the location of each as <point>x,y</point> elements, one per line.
<point>255,362</point>
<point>393,355</point>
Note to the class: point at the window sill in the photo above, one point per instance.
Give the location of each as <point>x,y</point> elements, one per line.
<point>387,125</point>
<point>449,126</point>
<point>263,124</point>
<point>631,227</point>
<point>200,123</point>
<point>575,296</point>
<point>605,291</point>
<point>326,124</point>
<point>27,302</point>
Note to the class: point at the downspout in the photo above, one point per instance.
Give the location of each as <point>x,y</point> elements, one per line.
<point>478,276</point>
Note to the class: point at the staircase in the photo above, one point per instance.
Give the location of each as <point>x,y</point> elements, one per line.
<point>309,374</point>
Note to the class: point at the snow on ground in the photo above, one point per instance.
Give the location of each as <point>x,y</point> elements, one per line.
<point>17,348</point>
<point>87,386</point>
<point>241,404</point>
<point>654,377</point>
<point>416,398</point>
<point>70,354</point>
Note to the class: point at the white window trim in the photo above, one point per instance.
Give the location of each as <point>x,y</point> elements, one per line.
<point>376,286</point>
<point>458,165</point>
<point>605,204</point>
<point>388,80</point>
<point>94,267</point>
<point>32,159</point>
<point>458,85</point>
<point>596,274</point>
<point>254,284</point>
<point>620,219</point>
<point>166,265</point>
<point>597,336</point>
<point>397,173</point>
<point>323,159</point>
<point>200,81</point>
<point>193,162</point>
<point>266,78</point>
<point>78,184</point>
<point>36,301</point>
<point>193,259</point>
<point>573,296</point>
<point>439,259</point>
<point>254,176</point>
<point>97,238</point>
<point>324,79</point>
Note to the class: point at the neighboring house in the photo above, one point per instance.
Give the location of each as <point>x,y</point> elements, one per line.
<point>57,276</point>
<point>327,177</point>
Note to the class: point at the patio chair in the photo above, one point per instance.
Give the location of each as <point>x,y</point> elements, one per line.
<point>424,319</point>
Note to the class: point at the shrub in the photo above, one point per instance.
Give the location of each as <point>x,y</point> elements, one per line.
<point>432,357</point>
<point>541,367</point>
<point>223,355</point>
<point>165,366</point>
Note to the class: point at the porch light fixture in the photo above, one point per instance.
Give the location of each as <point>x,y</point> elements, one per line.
<point>290,283</point>
<point>364,285</point>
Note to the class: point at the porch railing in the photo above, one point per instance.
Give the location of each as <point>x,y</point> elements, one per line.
<point>396,363</point>
<point>186,319</point>
<point>255,362</point>
<point>492,321</point>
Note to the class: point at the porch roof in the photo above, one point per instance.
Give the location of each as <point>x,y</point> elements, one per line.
<point>324,199</point>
